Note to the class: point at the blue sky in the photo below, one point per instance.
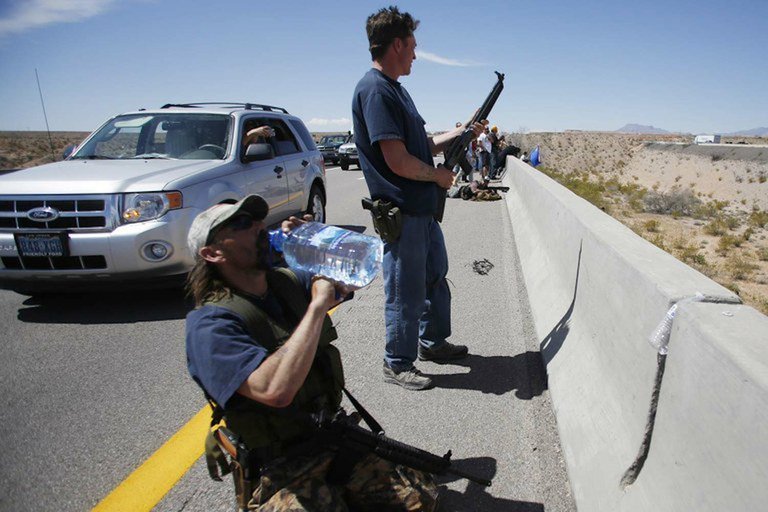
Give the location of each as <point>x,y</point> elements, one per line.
<point>690,66</point>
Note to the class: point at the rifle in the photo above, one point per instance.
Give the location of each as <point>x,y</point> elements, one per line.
<point>456,153</point>
<point>342,432</point>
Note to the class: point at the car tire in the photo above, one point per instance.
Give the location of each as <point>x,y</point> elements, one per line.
<point>316,204</point>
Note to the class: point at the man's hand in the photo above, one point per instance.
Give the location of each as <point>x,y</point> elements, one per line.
<point>329,293</point>
<point>292,222</point>
<point>443,176</point>
<point>254,133</point>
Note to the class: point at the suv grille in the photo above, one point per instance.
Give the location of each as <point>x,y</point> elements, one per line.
<point>74,213</point>
<point>54,263</point>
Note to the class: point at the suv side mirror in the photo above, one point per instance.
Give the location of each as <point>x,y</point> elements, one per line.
<point>259,151</point>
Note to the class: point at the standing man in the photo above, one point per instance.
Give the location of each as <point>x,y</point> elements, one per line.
<point>396,158</point>
<point>259,345</point>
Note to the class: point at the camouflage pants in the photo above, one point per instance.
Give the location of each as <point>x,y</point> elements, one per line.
<point>375,485</point>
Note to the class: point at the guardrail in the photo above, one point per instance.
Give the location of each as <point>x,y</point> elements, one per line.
<point>640,431</point>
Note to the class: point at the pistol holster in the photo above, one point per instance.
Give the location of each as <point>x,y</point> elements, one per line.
<point>387,219</point>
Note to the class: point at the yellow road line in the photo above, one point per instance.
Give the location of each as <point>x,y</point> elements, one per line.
<point>146,486</point>
<point>143,489</point>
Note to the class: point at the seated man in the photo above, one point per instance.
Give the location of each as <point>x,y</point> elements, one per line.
<point>259,344</point>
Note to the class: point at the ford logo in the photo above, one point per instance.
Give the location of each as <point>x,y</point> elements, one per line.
<point>43,214</point>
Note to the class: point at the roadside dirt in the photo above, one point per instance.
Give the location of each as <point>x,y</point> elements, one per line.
<point>705,204</point>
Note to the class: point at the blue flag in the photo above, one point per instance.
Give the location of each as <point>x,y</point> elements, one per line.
<point>535,157</point>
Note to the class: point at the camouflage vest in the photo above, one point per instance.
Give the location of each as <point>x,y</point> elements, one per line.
<point>263,427</point>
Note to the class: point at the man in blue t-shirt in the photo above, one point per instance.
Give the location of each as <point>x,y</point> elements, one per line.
<point>259,345</point>
<point>396,157</point>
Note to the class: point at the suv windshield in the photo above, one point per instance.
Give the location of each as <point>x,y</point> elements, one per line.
<point>166,135</point>
<point>333,139</point>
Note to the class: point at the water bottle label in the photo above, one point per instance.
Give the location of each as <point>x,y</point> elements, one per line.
<point>330,237</point>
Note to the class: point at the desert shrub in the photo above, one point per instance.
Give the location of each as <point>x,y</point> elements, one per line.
<point>739,268</point>
<point>733,286</point>
<point>726,242</point>
<point>762,254</point>
<point>579,183</point>
<point>692,255</point>
<point>721,224</point>
<point>658,241</point>
<point>676,201</point>
<point>758,218</point>
<point>710,208</point>
<point>651,225</point>
<point>747,234</point>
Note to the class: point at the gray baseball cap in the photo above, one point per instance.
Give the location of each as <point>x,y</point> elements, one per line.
<point>218,214</point>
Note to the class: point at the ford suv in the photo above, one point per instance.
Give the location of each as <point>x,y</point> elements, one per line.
<point>117,210</point>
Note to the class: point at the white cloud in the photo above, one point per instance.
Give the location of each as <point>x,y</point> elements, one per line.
<point>341,122</point>
<point>27,14</point>
<point>431,57</point>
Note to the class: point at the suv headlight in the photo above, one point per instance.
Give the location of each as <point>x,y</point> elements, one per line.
<point>149,205</point>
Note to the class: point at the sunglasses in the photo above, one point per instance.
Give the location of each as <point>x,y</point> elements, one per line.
<point>239,222</point>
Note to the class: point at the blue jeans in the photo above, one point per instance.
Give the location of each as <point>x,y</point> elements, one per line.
<point>418,301</point>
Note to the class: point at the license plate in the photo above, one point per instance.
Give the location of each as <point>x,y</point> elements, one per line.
<point>42,244</point>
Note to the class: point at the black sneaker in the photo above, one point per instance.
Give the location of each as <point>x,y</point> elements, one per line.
<point>445,352</point>
<point>411,378</point>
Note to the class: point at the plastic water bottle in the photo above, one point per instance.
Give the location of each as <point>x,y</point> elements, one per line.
<point>660,337</point>
<point>337,253</point>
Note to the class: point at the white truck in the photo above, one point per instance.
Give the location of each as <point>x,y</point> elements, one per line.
<point>706,139</point>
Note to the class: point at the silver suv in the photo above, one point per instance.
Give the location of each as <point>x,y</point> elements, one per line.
<point>117,211</point>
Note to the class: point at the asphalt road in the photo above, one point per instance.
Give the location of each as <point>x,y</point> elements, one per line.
<point>93,385</point>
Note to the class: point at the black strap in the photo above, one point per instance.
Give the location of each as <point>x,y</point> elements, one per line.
<point>367,418</point>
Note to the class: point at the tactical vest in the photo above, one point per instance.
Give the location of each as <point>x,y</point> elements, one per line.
<point>267,428</point>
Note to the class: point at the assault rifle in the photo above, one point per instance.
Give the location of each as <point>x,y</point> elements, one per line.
<point>346,434</point>
<point>456,153</point>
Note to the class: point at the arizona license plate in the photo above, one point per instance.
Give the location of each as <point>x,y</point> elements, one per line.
<point>42,244</point>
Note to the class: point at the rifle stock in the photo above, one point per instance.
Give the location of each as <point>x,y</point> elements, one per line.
<point>343,433</point>
<point>456,153</point>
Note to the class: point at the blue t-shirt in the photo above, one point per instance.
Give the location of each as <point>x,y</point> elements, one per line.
<point>221,353</point>
<point>383,110</point>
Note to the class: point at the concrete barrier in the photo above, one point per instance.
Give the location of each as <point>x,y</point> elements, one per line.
<point>597,291</point>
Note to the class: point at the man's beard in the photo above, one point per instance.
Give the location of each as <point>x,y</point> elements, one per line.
<point>263,252</point>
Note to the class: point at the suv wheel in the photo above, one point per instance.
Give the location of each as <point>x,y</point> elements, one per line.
<point>316,205</point>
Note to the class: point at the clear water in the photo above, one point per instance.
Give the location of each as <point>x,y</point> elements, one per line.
<point>339,254</point>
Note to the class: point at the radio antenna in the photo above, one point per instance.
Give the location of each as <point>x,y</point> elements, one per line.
<point>47,129</point>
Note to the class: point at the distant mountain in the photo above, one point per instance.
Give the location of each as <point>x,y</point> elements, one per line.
<point>639,128</point>
<point>754,132</point>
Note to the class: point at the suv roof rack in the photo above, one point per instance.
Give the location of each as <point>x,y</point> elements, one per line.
<point>246,106</point>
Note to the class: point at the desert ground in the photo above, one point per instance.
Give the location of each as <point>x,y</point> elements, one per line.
<point>707,205</point>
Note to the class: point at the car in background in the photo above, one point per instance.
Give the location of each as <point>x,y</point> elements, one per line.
<point>348,154</point>
<point>329,146</point>
<point>117,211</point>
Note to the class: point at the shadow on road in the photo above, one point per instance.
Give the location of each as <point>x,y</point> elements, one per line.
<point>106,308</point>
<point>499,375</point>
<point>476,496</point>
